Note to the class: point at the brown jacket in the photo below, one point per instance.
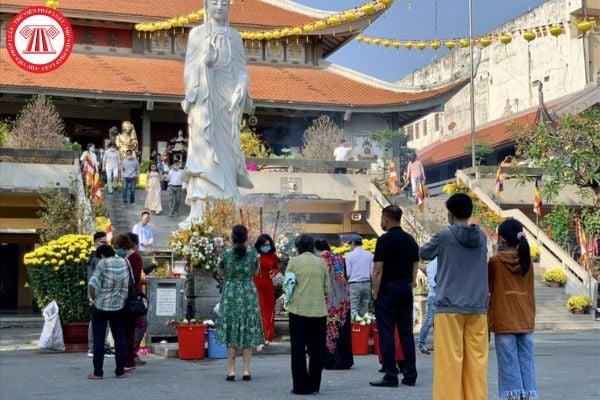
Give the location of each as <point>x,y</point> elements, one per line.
<point>512,301</point>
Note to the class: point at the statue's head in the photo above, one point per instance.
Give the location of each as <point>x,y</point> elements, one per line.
<point>126,127</point>
<point>217,10</point>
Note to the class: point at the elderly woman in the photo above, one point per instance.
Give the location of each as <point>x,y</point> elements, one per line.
<point>307,316</point>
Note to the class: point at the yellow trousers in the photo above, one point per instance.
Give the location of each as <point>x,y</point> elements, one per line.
<point>460,360</point>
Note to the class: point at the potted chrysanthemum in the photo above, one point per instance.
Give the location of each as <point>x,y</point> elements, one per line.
<point>58,271</point>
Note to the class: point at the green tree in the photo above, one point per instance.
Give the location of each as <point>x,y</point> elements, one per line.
<point>61,214</point>
<point>568,152</point>
<point>4,132</point>
<point>321,139</point>
<point>394,144</point>
<point>38,126</point>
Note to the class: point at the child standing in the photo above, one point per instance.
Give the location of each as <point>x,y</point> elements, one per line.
<point>512,312</point>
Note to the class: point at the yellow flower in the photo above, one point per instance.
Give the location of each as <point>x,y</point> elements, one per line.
<point>56,268</point>
<point>54,261</point>
<point>61,262</point>
<point>46,263</point>
<point>77,260</point>
<point>81,283</point>
<point>69,257</point>
<point>63,252</point>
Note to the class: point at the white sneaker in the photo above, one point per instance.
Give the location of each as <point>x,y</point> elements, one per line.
<point>90,354</point>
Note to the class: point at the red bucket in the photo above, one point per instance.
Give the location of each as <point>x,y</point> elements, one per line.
<point>360,339</point>
<point>191,340</point>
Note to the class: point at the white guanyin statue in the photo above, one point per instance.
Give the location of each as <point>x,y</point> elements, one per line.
<point>216,94</point>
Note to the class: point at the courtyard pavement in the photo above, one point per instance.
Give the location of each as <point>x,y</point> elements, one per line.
<point>568,366</point>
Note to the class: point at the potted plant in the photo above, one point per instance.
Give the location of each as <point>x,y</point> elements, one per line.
<point>191,338</point>
<point>534,252</point>
<point>555,278</point>
<point>579,304</point>
<point>361,328</point>
<point>197,244</point>
<point>58,271</point>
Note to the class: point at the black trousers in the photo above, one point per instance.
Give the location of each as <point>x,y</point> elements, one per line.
<point>307,335</point>
<point>394,307</point>
<point>117,327</point>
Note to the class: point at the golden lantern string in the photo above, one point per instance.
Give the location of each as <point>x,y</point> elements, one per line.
<point>529,34</point>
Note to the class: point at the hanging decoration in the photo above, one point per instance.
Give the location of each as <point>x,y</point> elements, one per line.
<point>530,34</point>
<point>312,28</point>
<point>52,4</point>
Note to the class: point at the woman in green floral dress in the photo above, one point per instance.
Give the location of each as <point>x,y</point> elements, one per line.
<point>239,324</point>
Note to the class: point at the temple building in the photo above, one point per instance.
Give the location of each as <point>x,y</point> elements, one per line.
<point>120,72</point>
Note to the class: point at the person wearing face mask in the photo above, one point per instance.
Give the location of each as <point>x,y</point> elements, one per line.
<point>269,267</point>
<point>125,248</point>
<point>130,169</point>
<point>91,154</point>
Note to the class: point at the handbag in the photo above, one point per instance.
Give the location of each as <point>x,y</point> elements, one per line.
<point>136,304</point>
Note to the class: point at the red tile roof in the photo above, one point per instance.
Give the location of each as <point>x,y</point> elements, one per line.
<point>243,12</point>
<point>162,77</point>
<point>493,135</point>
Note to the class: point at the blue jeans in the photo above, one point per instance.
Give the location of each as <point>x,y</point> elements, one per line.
<point>428,323</point>
<point>516,366</point>
<point>129,186</point>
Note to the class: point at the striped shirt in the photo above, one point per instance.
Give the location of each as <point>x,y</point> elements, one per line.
<point>111,281</point>
<point>312,285</point>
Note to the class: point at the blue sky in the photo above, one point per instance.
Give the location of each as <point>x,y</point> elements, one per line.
<point>418,23</point>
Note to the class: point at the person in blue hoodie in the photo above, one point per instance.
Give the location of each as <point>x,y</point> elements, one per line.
<point>460,335</point>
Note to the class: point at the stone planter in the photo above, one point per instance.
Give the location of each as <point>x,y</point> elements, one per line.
<point>202,293</point>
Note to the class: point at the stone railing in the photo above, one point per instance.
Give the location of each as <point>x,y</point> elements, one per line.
<point>295,165</point>
<point>552,256</point>
<point>39,156</point>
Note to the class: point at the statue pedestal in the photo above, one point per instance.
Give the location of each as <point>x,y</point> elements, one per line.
<point>202,293</point>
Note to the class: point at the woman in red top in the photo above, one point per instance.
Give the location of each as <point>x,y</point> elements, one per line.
<point>269,267</point>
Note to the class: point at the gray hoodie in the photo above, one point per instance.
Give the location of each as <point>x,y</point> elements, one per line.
<point>462,275</point>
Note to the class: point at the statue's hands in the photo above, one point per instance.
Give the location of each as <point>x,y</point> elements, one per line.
<point>236,99</point>
<point>212,52</point>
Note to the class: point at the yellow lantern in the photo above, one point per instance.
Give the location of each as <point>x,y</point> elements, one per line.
<point>320,25</point>
<point>397,44</point>
<point>449,44</point>
<point>166,26</point>
<point>138,27</point>
<point>252,36</point>
<point>296,31</point>
<point>260,36</point>
<point>584,26</point>
<point>485,41</point>
<point>52,4</point>
<point>368,40</point>
<point>505,39</point>
<point>174,22</point>
<point>435,45</point>
<point>387,3</point>
<point>182,21</point>
<point>359,38</point>
<point>556,30</point>
<point>376,41</point>
<point>421,46</point>
<point>368,9</point>
<point>349,16</point>
<point>268,35</point>
<point>529,36</point>
<point>333,20</point>
<point>464,43</point>
<point>286,32</point>
<point>308,28</point>
<point>409,45</point>
<point>193,17</point>
<point>276,34</point>
<point>386,43</point>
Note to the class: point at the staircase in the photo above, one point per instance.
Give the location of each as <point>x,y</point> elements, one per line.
<point>551,310</point>
<point>124,218</point>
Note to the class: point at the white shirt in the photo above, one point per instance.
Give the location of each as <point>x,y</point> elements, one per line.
<point>342,153</point>
<point>175,176</point>
<point>431,273</point>
<point>359,265</point>
<point>145,235</point>
<point>111,158</point>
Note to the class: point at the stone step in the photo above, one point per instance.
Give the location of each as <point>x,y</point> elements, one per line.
<point>567,325</point>
<point>551,303</point>
<point>551,310</point>
<point>562,317</point>
<point>21,322</point>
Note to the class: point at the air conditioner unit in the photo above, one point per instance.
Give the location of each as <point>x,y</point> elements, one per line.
<point>356,216</point>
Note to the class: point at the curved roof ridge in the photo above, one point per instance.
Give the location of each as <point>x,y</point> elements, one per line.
<point>299,8</point>
<point>381,84</point>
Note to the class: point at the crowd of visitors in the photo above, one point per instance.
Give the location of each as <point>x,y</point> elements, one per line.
<point>468,295</point>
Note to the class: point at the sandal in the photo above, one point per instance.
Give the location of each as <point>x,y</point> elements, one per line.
<point>129,369</point>
<point>121,376</point>
<point>94,377</point>
<point>230,378</point>
<point>246,377</point>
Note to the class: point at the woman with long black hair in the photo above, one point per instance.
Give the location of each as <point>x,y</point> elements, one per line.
<point>239,324</point>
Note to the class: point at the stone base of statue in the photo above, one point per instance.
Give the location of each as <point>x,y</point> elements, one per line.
<point>202,293</point>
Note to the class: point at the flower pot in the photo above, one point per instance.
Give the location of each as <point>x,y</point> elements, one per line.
<point>375,340</point>
<point>215,350</point>
<point>191,339</point>
<point>578,311</point>
<point>360,339</point>
<point>553,284</point>
<point>75,335</point>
